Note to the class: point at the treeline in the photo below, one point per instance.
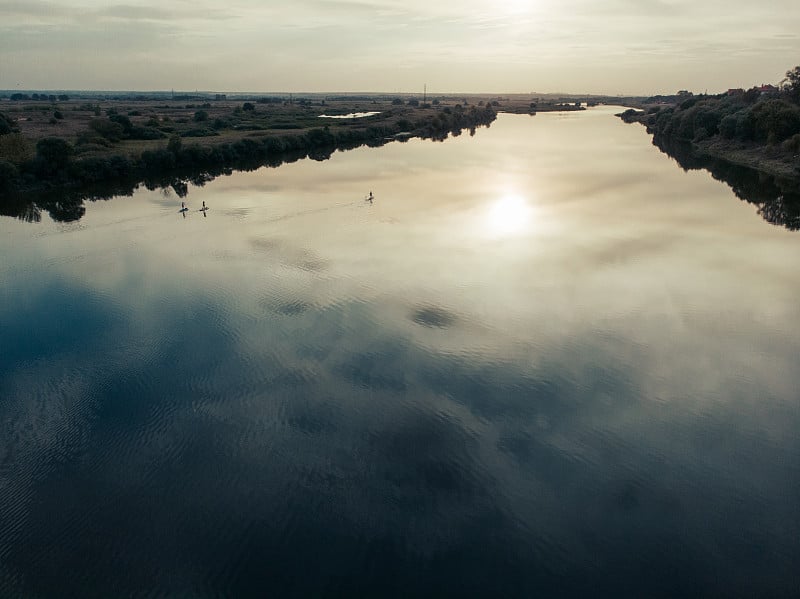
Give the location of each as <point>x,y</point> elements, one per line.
<point>55,167</point>
<point>18,97</point>
<point>767,117</point>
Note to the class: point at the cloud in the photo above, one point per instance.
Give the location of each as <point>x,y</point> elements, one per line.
<point>473,45</point>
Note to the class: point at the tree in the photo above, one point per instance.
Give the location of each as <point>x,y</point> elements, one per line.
<point>52,154</point>
<point>792,84</point>
<point>108,129</point>
<point>6,124</point>
<point>200,115</point>
<point>727,126</point>
<point>126,123</point>
<point>8,175</point>
<point>776,120</point>
<point>174,144</point>
<point>15,148</point>
<point>248,106</point>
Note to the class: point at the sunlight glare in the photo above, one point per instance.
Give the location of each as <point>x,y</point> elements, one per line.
<point>509,215</point>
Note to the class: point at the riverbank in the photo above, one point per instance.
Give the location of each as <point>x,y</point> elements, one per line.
<point>73,144</point>
<point>761,157</point>
<point>762,134</point>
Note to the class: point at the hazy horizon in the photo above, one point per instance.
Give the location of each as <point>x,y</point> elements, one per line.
<point>615,47</point>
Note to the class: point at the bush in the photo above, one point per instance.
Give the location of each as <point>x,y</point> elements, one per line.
<point>727,126</point>
<point>745,125</point>
<point>8,175</point>
<point>200,116</point>
<point>707,119</point>
<point>174,144</point>
<point>320,137</point>
<point>145,133</point>
<point>122,120</point>
<point>685,125</point>
<point>776,120</point>
<point>199,133</point>
<point>52,155</point>
<point>100,168</point>
<point>700,134</point>
<point>158,160</point>
<point>6,124</point>
<point>15,148</point>
<point>108,129</point>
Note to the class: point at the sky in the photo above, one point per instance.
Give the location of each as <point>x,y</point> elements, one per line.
<point>513,46</point>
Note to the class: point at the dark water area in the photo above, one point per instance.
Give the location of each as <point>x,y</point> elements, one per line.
<point>543,361</point>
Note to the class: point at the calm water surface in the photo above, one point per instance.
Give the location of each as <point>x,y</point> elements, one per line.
<point>545,361</point>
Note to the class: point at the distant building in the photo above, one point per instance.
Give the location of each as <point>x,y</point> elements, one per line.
<point>735,91</point>
<point>767,88</point>
<point>684,93</point>
<point>221,97</point>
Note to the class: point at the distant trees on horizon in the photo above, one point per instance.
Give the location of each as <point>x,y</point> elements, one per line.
<point>18,97</point>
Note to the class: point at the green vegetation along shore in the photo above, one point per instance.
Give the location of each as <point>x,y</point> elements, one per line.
<point>758,128</point>
<point>74,144</point>
<point>56,151</point>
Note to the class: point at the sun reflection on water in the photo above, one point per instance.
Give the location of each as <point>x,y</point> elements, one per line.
<point>510,215</point>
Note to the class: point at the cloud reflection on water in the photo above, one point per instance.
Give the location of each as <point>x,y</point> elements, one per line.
<point>205,412</point>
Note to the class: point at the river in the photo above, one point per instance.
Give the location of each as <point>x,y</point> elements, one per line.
<point>544,360</point>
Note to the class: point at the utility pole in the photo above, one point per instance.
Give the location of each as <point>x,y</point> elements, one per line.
<point>425,94</point>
